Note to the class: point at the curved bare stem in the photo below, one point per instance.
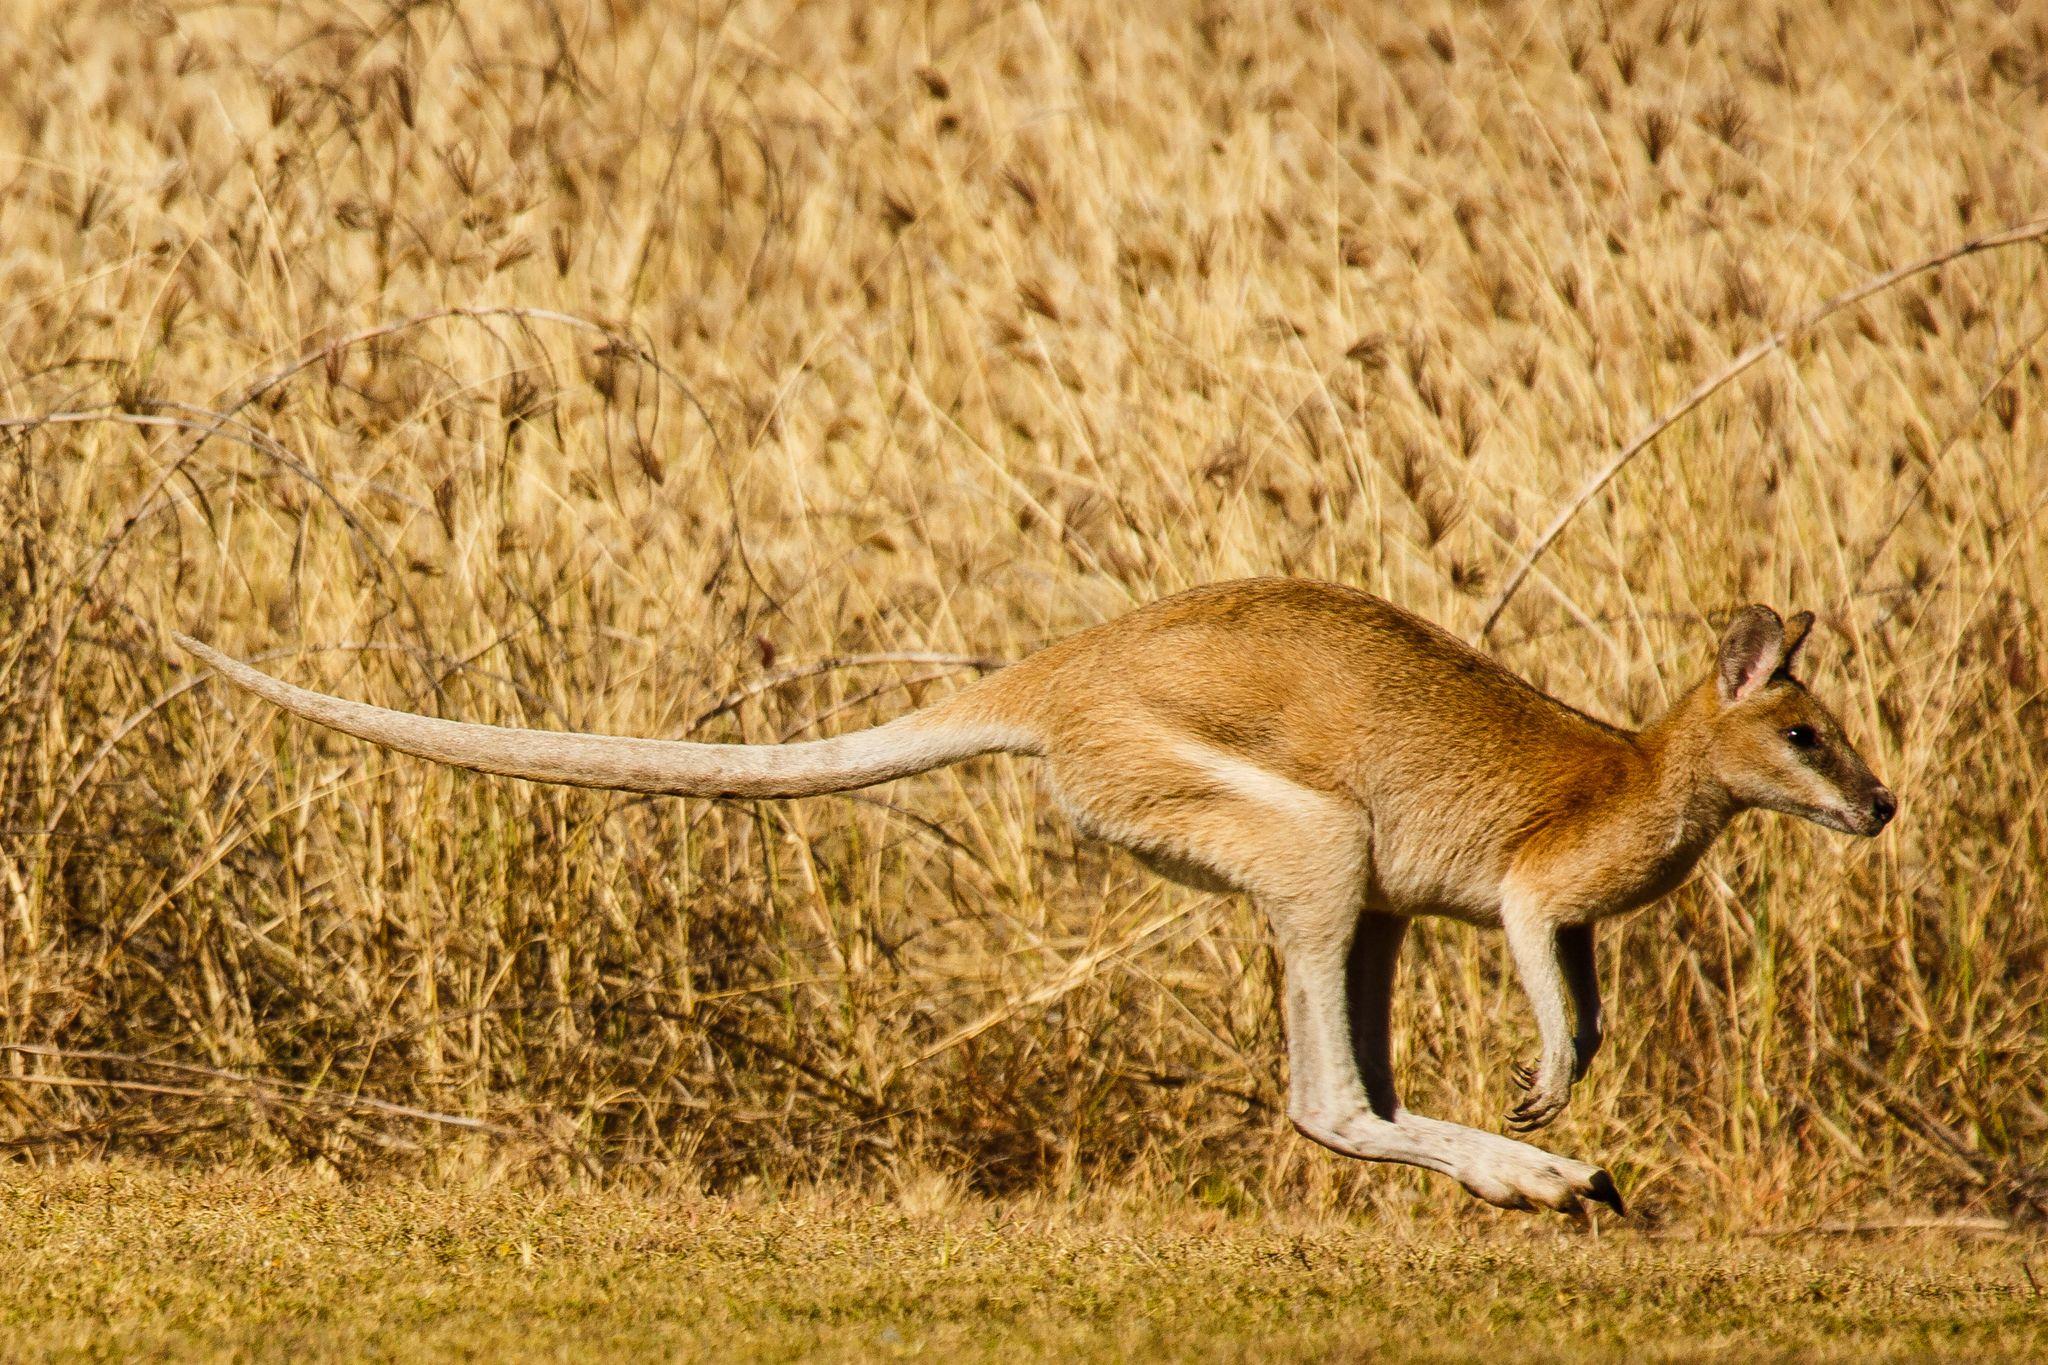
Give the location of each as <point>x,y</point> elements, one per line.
<point>1714,383</point>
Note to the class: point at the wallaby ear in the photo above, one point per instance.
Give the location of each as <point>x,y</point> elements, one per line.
<point>1752,649</point>
<point>1797,627</point>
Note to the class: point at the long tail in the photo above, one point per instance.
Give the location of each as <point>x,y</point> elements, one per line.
<point>933,738</point>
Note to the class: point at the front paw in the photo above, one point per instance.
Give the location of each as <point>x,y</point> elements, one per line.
<point>1547,1090</point>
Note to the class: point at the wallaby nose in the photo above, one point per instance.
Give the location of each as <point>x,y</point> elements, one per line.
<point>1883,806</point>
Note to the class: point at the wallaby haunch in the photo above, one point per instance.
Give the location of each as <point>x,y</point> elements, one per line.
<point>1347,765</point>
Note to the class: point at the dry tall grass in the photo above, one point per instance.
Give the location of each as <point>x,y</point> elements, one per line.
<point>617,365</point>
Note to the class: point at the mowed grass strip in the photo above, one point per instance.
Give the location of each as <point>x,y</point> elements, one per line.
<point>129,1261</point>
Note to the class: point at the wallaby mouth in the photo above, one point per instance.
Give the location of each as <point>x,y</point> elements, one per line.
<point>1867,819</point>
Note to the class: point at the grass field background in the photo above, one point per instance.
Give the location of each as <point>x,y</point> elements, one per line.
<point>742,373</point>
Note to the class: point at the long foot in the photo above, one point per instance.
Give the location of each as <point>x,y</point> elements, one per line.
<point>1499,1170</point>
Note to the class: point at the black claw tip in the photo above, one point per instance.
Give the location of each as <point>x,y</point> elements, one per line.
<point>1603,1190</point>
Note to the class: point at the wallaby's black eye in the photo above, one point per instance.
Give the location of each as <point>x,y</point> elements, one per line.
<point>1802,737</point>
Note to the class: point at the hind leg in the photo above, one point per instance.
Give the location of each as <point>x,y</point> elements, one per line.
<point>1208,818</point>
<point>1341,1083</point>
<point>1302,855</point>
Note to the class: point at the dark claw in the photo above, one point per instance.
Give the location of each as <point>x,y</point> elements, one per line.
<point>1604,1191</point>
<point>1525,1075</point>
<point>1527,1116</point>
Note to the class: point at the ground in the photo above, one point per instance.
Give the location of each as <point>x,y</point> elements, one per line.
<point>128,1261</point>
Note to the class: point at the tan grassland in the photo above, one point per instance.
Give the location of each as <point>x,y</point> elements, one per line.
<point>757,372</point>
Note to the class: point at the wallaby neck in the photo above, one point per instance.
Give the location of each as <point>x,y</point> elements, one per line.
<point>1635,816</point>
<point>1682,798</point>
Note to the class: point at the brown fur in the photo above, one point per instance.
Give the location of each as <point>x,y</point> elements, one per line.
<point>1349,766</point>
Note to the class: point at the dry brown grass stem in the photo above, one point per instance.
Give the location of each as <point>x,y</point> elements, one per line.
<point>1957,430</point>
<point>1721,378</point>
<point>797,673</point>
<point>1080,971</point>
<point>255,1086</point>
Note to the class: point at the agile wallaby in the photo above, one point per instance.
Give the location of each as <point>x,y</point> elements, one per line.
<point>1347,765</point>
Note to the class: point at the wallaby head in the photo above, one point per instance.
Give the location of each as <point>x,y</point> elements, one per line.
<point>1773,745</point>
